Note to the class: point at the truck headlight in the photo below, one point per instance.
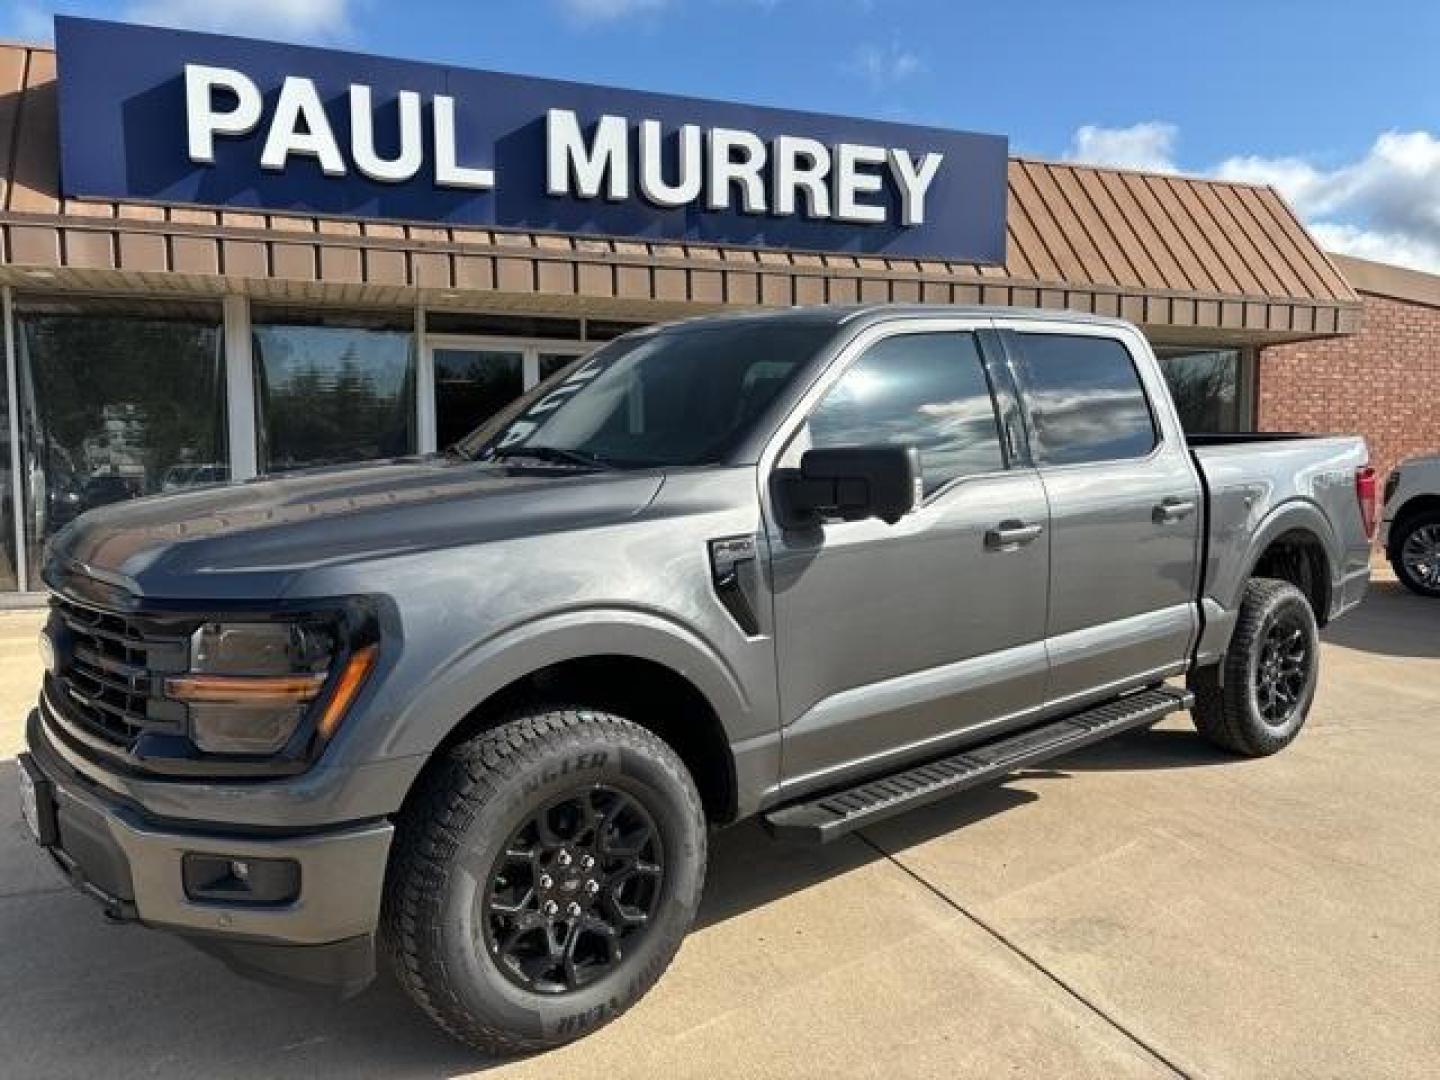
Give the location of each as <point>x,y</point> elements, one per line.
<point>251,684</point>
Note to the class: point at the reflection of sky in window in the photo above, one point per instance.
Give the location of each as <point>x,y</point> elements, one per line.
<point>1087,397</point>
<point>924,390</point>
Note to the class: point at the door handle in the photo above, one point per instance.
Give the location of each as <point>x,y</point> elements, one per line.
<point>1172,510</point>
<point>1011,534</point>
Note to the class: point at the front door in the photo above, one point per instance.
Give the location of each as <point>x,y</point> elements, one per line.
<point>474,378</point>
<point>1125,510</point>
<point>893,641</point>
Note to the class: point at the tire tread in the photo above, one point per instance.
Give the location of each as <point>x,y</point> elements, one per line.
<point>1221,711</point>
<point>432,829</point>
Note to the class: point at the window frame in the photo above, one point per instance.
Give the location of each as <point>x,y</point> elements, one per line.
<point>1012,333</point>
<point>852,351</point>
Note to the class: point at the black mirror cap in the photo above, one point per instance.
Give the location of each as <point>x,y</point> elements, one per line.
<point>851,483</point>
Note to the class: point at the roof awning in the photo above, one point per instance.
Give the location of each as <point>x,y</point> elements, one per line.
<point>1188,259</point>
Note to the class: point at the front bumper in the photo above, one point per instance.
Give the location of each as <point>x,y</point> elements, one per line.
<point>132,865</point>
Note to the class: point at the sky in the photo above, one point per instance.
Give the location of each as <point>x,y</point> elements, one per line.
<point>1334,102</point>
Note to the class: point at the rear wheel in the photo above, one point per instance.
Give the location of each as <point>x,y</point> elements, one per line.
<point>1415,554</point>
<point>544,876</point>
<point>1256,701</point>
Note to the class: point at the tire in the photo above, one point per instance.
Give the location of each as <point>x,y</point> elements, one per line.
<point>1415,554</point>
<point>565,774</point>
<point>1247,712</point>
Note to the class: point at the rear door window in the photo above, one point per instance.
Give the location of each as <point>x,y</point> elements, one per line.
<point>1086,400</point>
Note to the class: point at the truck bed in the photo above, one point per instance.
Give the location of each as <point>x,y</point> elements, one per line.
<point>1260,486</point>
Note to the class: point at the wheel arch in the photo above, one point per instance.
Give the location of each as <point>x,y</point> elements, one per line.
<point>1299,556</point>
<point>1295,543</point>
<point>1412,508</point>
<point>637,665</point>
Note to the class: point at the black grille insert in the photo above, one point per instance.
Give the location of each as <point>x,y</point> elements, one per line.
<point>106,678</point>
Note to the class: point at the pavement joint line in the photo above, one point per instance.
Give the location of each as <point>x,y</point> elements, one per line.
<point>1149,1050</point>
<point>21,894</point>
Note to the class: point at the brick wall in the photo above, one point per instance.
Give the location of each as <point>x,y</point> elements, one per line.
<point>1383,383</point>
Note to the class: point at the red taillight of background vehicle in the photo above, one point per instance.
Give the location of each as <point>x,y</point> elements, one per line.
<point>1365,492</point>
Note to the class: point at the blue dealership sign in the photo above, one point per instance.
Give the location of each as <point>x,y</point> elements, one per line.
<point>162,115</point>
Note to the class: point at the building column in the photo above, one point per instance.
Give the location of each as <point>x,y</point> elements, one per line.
<point>424,387</point>
<point>240,388</point>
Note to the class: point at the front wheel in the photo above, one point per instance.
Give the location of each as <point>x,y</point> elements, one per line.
<point>1256,701</point>
<point>1415,554</point>
<point>543,877</point>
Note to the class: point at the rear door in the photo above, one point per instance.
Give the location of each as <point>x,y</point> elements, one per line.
<point>892,640</point>
<point>1125,504</point>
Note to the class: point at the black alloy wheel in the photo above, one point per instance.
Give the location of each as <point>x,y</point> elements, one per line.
<point>1282,668</point>
<point>574,889</point>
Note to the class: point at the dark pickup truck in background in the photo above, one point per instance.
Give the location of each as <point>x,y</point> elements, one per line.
<point>819,565</point>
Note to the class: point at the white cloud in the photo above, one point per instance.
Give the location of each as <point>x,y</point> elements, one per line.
<point>320,20</point>
<point>1396,248</point>
<point>593,11</point>
<point>886,66</point>
<point>1148,145</point>
<point>1384,205</point>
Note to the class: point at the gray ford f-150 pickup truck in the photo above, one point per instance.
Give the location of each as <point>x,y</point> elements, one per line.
<point>817,565</point>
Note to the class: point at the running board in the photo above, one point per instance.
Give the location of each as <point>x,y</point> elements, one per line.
<point>826,817</point>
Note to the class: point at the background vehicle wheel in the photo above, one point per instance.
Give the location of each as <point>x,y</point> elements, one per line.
<point>1415,554</point>
<point>1270,673</point>
<point>543,876</point>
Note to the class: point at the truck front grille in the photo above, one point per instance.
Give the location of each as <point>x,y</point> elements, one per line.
<point>108,671</point>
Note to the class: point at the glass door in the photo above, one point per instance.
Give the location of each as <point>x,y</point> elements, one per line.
<point>474,378</point>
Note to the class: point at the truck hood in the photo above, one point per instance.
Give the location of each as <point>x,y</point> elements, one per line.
<point>250,540</point>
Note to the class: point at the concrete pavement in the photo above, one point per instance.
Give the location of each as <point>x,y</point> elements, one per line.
<point>1145,908</point>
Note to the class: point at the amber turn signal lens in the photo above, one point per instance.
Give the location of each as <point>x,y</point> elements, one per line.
<point>352,678</point>
<point>244,689</point>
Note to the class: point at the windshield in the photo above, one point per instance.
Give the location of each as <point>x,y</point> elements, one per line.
<point>683,396</point>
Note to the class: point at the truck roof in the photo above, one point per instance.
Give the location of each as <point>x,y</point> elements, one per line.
<point>859,314</point>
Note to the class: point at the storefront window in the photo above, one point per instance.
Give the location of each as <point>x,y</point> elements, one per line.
<point>120,399</point>
<point>472,385</point>
<point>1207,387</point>
<point>551,362</point>
<point>332,387</point>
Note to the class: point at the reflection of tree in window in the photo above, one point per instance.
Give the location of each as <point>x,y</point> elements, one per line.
<point>330,394</point>
<point>924,390</point>
<point>1205,384</point>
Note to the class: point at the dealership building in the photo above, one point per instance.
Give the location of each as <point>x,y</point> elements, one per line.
<point>221,259</point>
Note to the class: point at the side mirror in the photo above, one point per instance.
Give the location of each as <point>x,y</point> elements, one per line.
<point>850,483</point>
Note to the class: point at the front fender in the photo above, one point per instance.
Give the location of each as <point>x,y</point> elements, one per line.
<point>490,665</point>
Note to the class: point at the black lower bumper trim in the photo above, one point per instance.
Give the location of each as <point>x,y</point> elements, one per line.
<point>341,967</point>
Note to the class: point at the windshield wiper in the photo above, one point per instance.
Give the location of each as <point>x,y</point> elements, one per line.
<point>554,454</point>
